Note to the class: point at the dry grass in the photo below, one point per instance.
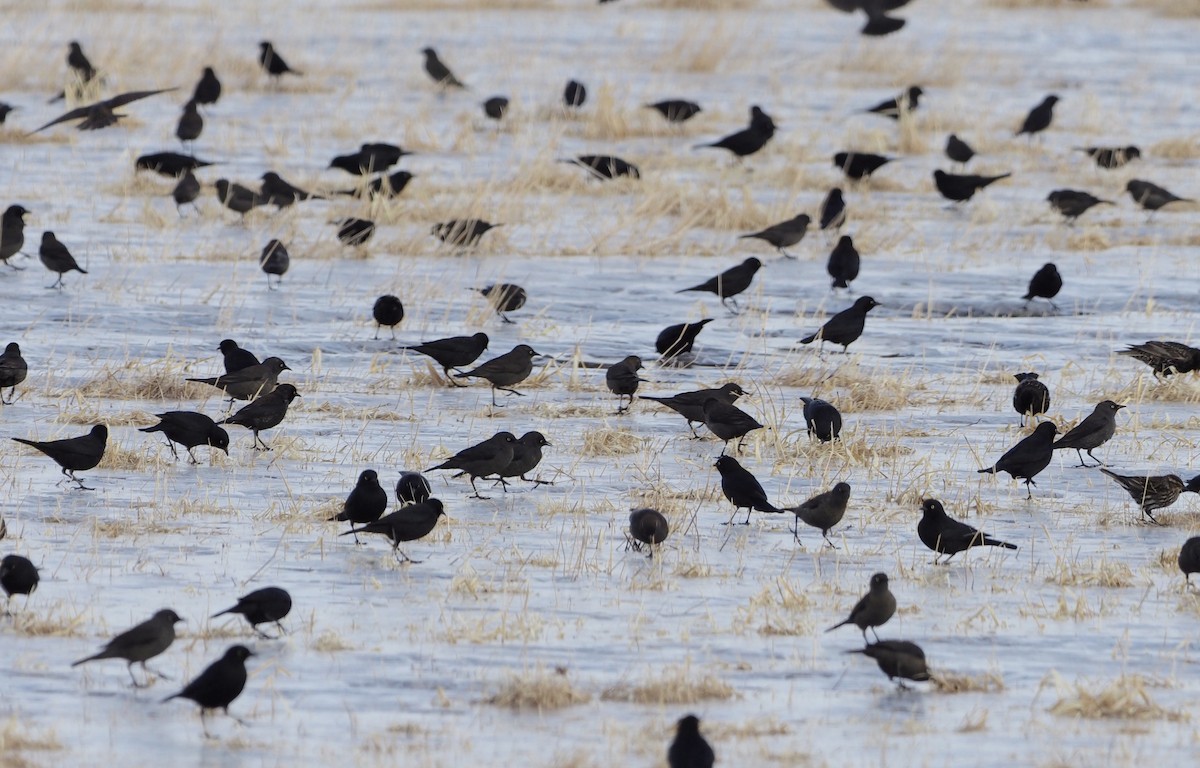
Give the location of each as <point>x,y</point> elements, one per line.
<point>1088,573</point>
<point>139,381</point>
<point>55,622</point>
<point>1125,698</point>
<point>610,442</point>
<point>1178,9</point>
<point>1179,147</point>
<point>675,685</point>
<point>950,682</point>
<point>539,690</point>
<point>18,736</point>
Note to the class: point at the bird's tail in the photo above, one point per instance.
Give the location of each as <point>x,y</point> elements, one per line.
<point>767,506</point>
<point>841,624</point>
<point>809,339</point>
<point>989,541</point>
<point>990,470</point>
<point>89,658</point>
<point>693,288</point>
<point>222,613</point>
<point>155,428</point>
<point>882,25</point>
<point>26,442</point>
<point>172,696</point>
<point>703,146</point>
<point>339,516</point>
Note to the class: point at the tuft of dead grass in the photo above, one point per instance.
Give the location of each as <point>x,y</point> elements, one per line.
<point>139,381</point>
<point>951,682</point>
<point>1088,573</point>
<point>18,736</point>
<point>1125,698</point>
<point>674,685</point>
<point>540,690</point>
<point>610,442</point>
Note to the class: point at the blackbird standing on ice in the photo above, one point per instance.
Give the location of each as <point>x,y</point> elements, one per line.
<point>649,527</point>
<point>898,659</point>
<point>822,419</point>
<point>844,262</point>
<point>958,150</point>
<point>527,454</point>
<point>676,110</point>
<point>961,188</point>
<point>189,429</point>
<point>265,412</point>
<point>453,352</point>
<point>832,214</point>
<point>730,283</point>
<point>1072,203</point>
<point>56,258</point>
<point>575,94</point>
<point>1189,559</point>
<point>1031,397</point>
<point>13,370</point>
<point>387,311</point>
<point>742,489</point>
<point>186,190</point>
<point>18,576</point>
<point>273,63</point>
<point>1156,491</point>
<point>354,232</point>
<point>482,459</point>
<point>676,340</point>
<point>622,380</point>
<point>728,422</point>
<point>903,104</point>
<point>748,140</point>
<point>1093,432</point>
<point>846,326</point>
<point>874,609</point>
<point>219,685</point>
<point>1112,157</point>
<point>141,643</point>
<point>689,749</point>
<point>505,297</point>
<point>947,536</point>
<point>690,405</point>
<point>440,73</point>
<point>416,521</point>
<point>74,454</point>
<point>1151,196</point>
<point>1045,284</point>
<point>208,89</point>
<point>783,235</point>
<point>506,371</point>
<point>190,125</point>
<point>12,233</point>
<point>248,382</point>
<point>373,157</point>
<point>366,503</point>
<point>1039,117</point>
<point>1029,457</point>
<point>274,261</point>
<point>495,107</point>
<point>822,511</point>
<point>412,488</point>
<point>859,165</point>
<point>235,358</point>
<point>269,604</point>
<point>463,233</point>
<point>1165,357</point>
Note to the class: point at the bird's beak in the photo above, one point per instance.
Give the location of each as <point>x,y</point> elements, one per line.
<point>1119,407</point>
<point>285,367</point>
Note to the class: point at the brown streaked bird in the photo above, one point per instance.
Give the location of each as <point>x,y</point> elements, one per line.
<point>101,114</point>
<point>218,685</point>
<point>873,609</point>
<point>1165,357</point>
<point>265,412</point>
<point>898,659</point>
<point>140,644</point>
<point>1112,157</point>
<point>462,232</point>
<point>74,454</point>
<point>1154,491</point>
<point>647,527</point>
<point>506,371</point>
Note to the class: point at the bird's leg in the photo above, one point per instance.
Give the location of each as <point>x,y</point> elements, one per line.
<point>204,723</point>
<point>450,378</point>
<point>155,672</point>
<point>136,684</point>
<point>71,474</point>
<point>1151,516</point>
<point>192,457</point>
<point>796,530</point>
<point>536,482</point>
<point>175,454</point>
<point>827,541</point>
<point>510,391</point>
<point>263,635</point>
<point>259,441</point>
<point>873,632</point>
<point>504,319</point>
<point>749,512</point>
<point>475,495</point>
<point>901,686</point>
<point>785,254</point>
<point>1083,463</point>
<point>728,522</point>
<point>741,444</point>
<point>1028,489</point>
<point>494,403</point>
<point>1089,453</point>
<point>279,626</point>
<point>12,393</point>
<point>396,551</point>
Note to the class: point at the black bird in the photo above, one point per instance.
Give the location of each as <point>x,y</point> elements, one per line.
<point>1155,491</point>
<point>235,358</point>
<point>505,297</point>
<point>1151,196</point>
<point>18,576</point>
<point>169,164</point>
<point>527,454</point>
<point>822,511</point>
<point>728,422</point>
<point>649,527</point>
<point>748,140</point>
<point>903,104</point>
<point>250,381</point>
<point>1189,559</point>
<point>56,258</point>
<point>622,380</point>
<point>676,340</point>
<point>878,22</point>
<point>898,659</point>
<point>208,89</point>
<point>1112,157</point>
<point>101,114</point>
<point>1039,117</point>
<point>453,352</point>
<point>730,283</point>
<point>189,429</point>
<point>1073,203</point>
<point>440,73</point>
<point>412,488</point>
<point>354,232</point>
<point>832,214</point>
<point>80,66</point>
<point>859,165</point>
<point>843,263</point>
<point>1165,357</point>
<point>690,405</point>
<point>370,158</point>
<point>462,232</point>
<point>74,454</point>
<point>1028,457</point>
<point>237,198</point>
<point>13,370</point>
<point>505,371</point>
<point>873,609</point>
<point>742,489</point>
<point>1031,397</point>
<point>958,150</point>
<point>141,643</point>
<point>190,125</point>
<point>495,107</point>
<point>388,186</point>
<point>689,749</point>
<point>961,188</point>
<point>1094,431</point>
<point>4,110</point>
<point>482,459</point>
<point>575,94</point>
<point>219,684</point>
<point>273,63</point>
<point>265,412</point>
<point>846,326</point>
<point>274,261</point>
<point>676,110</point>
<point>1045,284</point>
<point>947,536</point>
<point>822,419</point>
<point>785,234</point>
<point>366,503</point>
<point>186,190</point>
<point>12,233</point>
<point>280,193</point>
<point>416,521</point>
<point>387,311</point>
<point>269,604</point>
<point>605,166</point>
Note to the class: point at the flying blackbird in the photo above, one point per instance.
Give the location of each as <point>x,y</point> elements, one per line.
<point>1045,284</point>
<point>878,22</point>
<point>495,107</point>
<point>141,643</point>
<point>947,536</point>
<point>505,371</point>
<point>960,188</point>
<point>1093,432</point>
<point>689,749</point>
<point>412,488</point>
<point>846,326</point>
<point>410,523</point>
<point>1072,203</point>
<point>575,94</point>
<point>622,380</point>
<point>235,358</point>
<point>783,235</point>
<point>1112,157</point>
<point>169,164</point>
<point>1039,117</point>
<point>208,90</point>
<point>248,382</point>
<point>1031,397</point>
<point>280,193</point>
<point>505,297</point>
<point>676,340</point>
<point>388,186</point>
<point>440,73</point>
<point>482,459</point>
<point>366,503</point>
<point>859,165</point>
<point>190,125</point>
<point>730,283</point>
<point>265,412</point>
<point>527,454</point>
<point>843,263</point>
<point>354,232</point>
<point>273,63</point>
<point>4,110</point>
<point>12,233</point>
<point>13,370</point>
<point>453,352</point>
<point>898,659</point>
<point>219,685</point>
<point>274,261</point>
<point>269,604</point>
<point>387,311</point>
<point>822,419</point>
<point>742,489</point>
<point>874,609</point>
<point>237,198</point>
<point>832,214</point>
<point>462,232</point>
<point>958,150</point>
<point>648,526</point>
<point>186,190</point>
<point>189,429</point>
<point>100,114</point>
<point>1165,357</point>
<point>74,454</point>
<point>676,110</point>
<point>690,405</point>
<point>748,140</point>
<point>728,422</point>
<point>1189,559</point>
<point>605,166</point>
<point>903,104</point>
<point>1151,196</point>
<point>1028,457</point>
<point>18,576</point>
<point>823,511</point>
<point>1156,491</point>
<point>56,258</point>
<point>374,157</point>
